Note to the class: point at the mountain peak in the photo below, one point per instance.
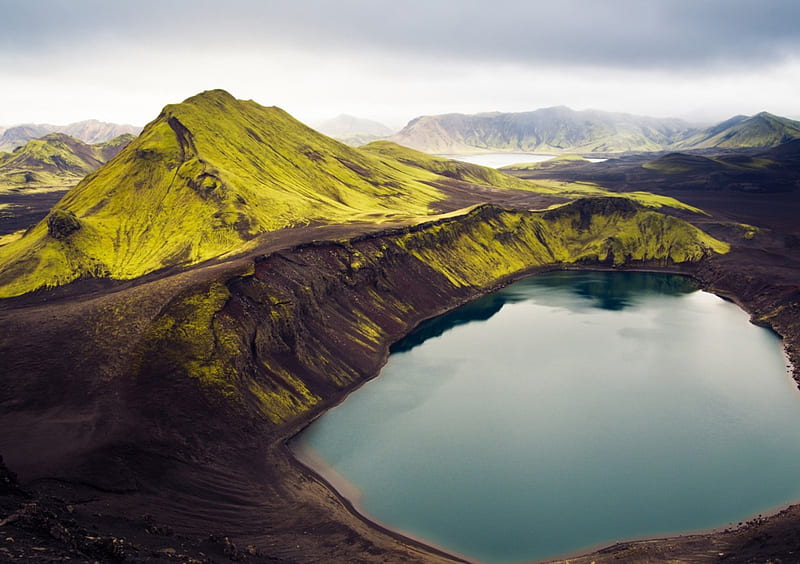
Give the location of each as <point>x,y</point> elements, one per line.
<point>215,95</point>
<point>202,179</point>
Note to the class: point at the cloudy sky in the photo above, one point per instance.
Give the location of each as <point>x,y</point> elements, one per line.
<point>67,60</point>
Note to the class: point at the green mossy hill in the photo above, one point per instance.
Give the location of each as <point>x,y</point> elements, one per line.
<point>17,136</point>
<point>89,131</point>
<point>762,130</point>
<point>204,177</point>
<point>210,174</point>
<point>555,162</point>
<point>55,160</point>
<point>606,230</point>
<point>312,321</point>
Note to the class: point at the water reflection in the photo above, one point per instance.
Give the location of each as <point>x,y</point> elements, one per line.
<point>613,291</point>
<point>582,408</point>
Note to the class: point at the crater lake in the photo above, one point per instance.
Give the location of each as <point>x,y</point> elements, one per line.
<point>566,411</point>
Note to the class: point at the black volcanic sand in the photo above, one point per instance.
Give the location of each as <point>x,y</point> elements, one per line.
<point>97,481</point>
<point>19,209</point>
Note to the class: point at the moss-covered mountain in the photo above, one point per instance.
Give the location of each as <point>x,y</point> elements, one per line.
<point>203,178</point>
<point>55,161</point>
<point>560,129</point>
<point>761,131</point>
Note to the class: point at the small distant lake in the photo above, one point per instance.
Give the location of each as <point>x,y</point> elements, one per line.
<point>566,411</point>
<point>497,160</point>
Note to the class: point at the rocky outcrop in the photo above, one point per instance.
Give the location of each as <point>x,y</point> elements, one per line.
<point>61,224</point>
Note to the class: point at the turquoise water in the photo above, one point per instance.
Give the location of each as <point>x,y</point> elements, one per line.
<point>570,410</point>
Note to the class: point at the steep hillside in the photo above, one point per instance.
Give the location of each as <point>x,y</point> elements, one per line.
<point>760,131</point>
<point>548,130</point>
<point>90,131</point>
<point>55,161</point>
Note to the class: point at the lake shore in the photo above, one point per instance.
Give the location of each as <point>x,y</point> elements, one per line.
<point>694,544</point>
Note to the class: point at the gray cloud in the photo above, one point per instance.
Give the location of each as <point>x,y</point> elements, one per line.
<point>666,34</point>
<point>66,60</point>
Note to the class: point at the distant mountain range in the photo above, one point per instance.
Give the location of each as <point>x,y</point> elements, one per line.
<point>89,131</point>
<point>561,129</point>
<point>354,131</point>
<point>56,161</point>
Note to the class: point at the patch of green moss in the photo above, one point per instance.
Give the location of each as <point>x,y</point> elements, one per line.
<point>279,403</point>
<point>482,252</point>
<point>195,339</point>
<point>198,341</point>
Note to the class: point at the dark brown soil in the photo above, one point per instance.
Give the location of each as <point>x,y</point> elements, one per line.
<point>115,462</point>
<point>20,209</point>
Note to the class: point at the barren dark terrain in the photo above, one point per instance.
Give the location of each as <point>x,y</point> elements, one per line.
<point>116,460</point>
